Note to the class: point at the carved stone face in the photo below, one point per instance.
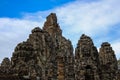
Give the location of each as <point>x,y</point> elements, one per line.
<point>85,51</point>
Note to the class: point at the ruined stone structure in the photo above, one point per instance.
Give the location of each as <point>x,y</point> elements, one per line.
<point>47,55</point>
<point>108,62</point>
<point>87,65</point>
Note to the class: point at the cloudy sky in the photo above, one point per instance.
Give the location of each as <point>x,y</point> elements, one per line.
<point>99,19</point>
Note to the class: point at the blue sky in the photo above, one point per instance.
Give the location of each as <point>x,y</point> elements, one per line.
<point>99,19</point>
<point>15,8</point>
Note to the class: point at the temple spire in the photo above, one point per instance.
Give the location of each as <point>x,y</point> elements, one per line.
<point>51,25</point>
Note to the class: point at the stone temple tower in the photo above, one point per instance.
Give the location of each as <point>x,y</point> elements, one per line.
<point>86,60</point>
<point>48,55</point>
<point>108,62</point>
<point>64,58</point>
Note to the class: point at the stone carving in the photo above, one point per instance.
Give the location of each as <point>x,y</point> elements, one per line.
<point>51,25</point>
<point>5,66</point>
<point>86,60</point>
<point>108,62</point>
<point>6,62</point>
<point>47,55</point>
<point>118,75</point>
<point>63,47</point>
<point>43,49</point>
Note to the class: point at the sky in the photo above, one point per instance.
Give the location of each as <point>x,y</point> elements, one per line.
<point>99,19</point>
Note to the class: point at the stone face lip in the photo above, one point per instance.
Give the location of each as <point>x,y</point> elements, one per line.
<point>47,55</point>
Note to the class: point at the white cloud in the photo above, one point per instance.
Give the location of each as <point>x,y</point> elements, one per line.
<point>95,19</point>
<point>12,32</point>
<point>90,18</point>
<point>116,48</point>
